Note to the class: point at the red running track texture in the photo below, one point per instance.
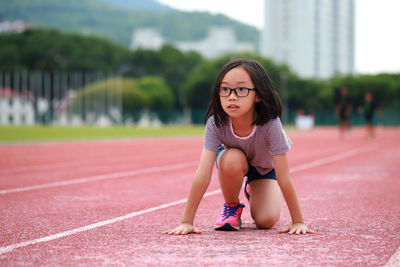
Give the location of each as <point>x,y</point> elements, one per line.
<point>108,202</point>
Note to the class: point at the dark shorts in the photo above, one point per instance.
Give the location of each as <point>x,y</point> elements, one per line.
<point>368,119</point>
<point>252,173</point>
<point>343,116</point>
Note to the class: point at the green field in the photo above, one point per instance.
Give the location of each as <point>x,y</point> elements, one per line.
<point>52,133</point>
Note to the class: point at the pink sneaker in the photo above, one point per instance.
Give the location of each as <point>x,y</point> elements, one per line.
<point>230,217</point>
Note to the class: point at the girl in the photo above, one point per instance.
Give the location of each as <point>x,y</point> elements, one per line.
<point>244,137</point>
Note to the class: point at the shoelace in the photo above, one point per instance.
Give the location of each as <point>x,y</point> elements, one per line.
<point>231,211</point>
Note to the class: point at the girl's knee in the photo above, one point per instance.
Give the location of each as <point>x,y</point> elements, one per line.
<point>233,161</point>
<point>266,222</point>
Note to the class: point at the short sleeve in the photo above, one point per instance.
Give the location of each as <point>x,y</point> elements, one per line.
<point>278,140</point>
<point>211,139</point>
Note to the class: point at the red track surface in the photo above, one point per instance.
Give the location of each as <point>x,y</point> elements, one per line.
<point>100,203</point>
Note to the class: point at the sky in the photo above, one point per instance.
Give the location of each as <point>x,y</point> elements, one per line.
<point>377,27</point>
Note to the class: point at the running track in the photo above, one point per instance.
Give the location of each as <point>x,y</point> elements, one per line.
<point>107,202</point>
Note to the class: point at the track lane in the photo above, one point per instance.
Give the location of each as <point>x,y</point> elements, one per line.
<point>110,157</point>
<point>134,241</point>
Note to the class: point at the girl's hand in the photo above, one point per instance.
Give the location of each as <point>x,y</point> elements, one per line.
<point>297,228</point>
<point>183,229</point>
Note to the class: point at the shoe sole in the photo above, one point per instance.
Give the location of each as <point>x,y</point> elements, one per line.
<point>226,227</point>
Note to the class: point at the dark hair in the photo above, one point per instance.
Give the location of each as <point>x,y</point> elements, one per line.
<point>270,106</point>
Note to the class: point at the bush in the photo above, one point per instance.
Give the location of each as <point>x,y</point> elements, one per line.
<point>145,93</point>
<point>159,94</point>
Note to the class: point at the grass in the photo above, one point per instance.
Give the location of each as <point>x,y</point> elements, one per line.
<point>51,133</point>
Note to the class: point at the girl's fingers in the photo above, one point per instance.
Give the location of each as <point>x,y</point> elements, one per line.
<point>284,230</point>
<point>310,231</point>
<point>296,229</point>
<point>171,232</point>
<point>184,231</point>
<point>196,231</point>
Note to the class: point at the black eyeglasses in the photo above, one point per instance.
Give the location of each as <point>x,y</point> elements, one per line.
<point>239,91</point>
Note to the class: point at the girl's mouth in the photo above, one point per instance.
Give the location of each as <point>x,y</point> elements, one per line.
<point>233,107</point>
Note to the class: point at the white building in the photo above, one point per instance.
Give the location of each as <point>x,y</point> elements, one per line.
<point>148,38</point>
<point>314,37</point>
<point>16,108</point>
<point>16,26</point>
<point>219,41</point>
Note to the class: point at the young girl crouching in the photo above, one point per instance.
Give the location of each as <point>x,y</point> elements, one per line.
<point>245,139</point>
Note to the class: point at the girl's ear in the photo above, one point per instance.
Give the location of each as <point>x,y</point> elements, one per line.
<point>258,98</point>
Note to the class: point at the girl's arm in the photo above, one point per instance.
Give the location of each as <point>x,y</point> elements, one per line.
<point>289,193</point>
<point>199,186</point>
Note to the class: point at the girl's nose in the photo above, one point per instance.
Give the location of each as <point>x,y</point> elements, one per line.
<point>232,95</point>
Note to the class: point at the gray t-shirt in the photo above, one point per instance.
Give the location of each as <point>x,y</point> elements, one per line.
<point>264,142</point>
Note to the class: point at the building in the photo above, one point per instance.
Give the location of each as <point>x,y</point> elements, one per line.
<point>314,37</point>
<point>218,42</point>
<point>16,26</point>
<point>16,108</point>
<point>148,38</point>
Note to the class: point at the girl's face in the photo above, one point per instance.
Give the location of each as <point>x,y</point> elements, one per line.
<point>368,97</point>
<point>234,106</point>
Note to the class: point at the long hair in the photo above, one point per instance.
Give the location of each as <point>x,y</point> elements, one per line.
<point>270,106</point>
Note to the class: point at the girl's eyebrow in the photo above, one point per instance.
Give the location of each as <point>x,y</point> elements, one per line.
<point>240,82</point>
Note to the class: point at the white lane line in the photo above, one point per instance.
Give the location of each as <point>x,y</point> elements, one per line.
<point>60,165</point>
<point>394,261</point>
<point>330,159</point>
<point>101,177</point>
<point>10,248</point>
<point>164,168</point>
<point>87,163</point>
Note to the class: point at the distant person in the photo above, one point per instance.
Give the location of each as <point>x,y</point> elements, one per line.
<point>245,138</point>
<point>343,111</point>
<point>369,109</point>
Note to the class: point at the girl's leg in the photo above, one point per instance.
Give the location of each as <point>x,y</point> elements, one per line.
<point>370,131</point>
<point>232,167</point>
<point>265,202</point>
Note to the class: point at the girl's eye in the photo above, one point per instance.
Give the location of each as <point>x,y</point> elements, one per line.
<point>224,89</point>
<point>242,89</point>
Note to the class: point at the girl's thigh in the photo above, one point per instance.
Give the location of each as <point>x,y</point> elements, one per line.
<point>265,202</point>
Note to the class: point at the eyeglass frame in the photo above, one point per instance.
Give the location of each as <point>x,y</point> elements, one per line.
<point>235,90</point>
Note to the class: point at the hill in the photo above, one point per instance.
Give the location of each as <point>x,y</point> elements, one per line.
<point>150,5</point>
<point>95,17</point>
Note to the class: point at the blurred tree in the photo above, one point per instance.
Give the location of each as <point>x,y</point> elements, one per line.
<point>384,87</point>
<point>9,57</point>
<point>132,97</point>
<point>187,75</point>
<point>158,93</point>
<point>148,92</point>
<point>198,87</point>
<point>53,50</point>
<point>307,94</point>
<point>173,65</point>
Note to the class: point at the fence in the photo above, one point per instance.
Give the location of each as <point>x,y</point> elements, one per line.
<point>50,98</point>
<point>59,98</point>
